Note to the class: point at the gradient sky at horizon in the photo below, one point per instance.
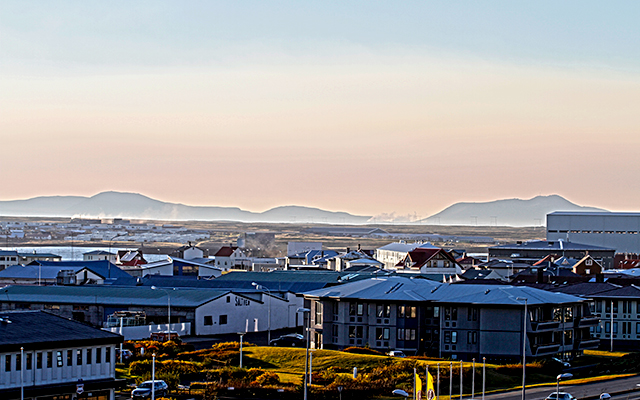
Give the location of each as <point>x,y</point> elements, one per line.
<point>365,107</point>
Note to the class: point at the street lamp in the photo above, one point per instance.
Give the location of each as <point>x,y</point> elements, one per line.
<point>561,376</point>
<point>168,307</point>
<point>241,335</point>
<point>261,287</point>
<point>306,357</point>
<point>153,377</point>
<point>524,344</point>
<point>109,256</point>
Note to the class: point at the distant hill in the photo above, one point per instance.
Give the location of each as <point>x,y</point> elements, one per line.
<point>137,206</point>
<point>510,212</point>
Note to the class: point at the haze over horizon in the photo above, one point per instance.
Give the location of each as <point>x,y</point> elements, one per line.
<point>367,108</point>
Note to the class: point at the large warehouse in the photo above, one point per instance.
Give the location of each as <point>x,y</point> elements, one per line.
<point>620,231</point>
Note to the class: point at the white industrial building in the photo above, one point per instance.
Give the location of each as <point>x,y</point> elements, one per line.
<point>615,230</point>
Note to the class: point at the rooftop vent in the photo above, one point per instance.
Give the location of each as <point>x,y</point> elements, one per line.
<point>487,291</point>
<point>5,320</point>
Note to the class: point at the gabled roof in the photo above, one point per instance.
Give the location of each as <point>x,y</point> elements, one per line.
<point>98,253</point>
<point>585,288</point>
<point>103,268</point>
<point>421,256</point>
<point>36,330</point>
<point>225,251</point>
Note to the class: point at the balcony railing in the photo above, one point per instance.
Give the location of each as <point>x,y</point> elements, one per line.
<point>589,344</point>
<point>588,321</point>
<point>547,349</point>
<point>544,326</point>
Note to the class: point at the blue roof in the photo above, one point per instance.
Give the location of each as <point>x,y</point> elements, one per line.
<point>103,268</point>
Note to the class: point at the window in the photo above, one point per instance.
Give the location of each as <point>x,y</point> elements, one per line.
<point>413,312</point>
<point>615,307</point>
<point>49,359</point>
<point>615,328</point>
<point>607,306</point>
<point>89,356</point>
<point>334,330</point>
<point>318,308</point>
<point>59,358</point>
<point>355,332</point>
<point>228,299</point>
<point>598,307</point>
<point>383,311</point>
<point>385,334</point>
<point>454,337</point>
<point>99,355</point>
<point>78,357</point>
<point>401,311</point>
<point>378,333</point>
<point>568,314</point>
<point>472,314</point>
<point>7,362</point>
<point>626,306</point>
<point>352,308</point>
<point>557,314</point>
<point>39,360</point>
<point>450,313</point>
<point>447,336</point>
<point>436,312</point>
<point>360,309</point>
<point>637,328</point>
<point>472,337</point>
<point>222,320</point>
<point>208,320</point>
<point>18,362</point>
<point>29,361</point>
<point>401,334</point>
<point>69,358</point>
<point>107,354</point>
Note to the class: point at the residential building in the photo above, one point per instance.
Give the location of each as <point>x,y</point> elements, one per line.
<point>227,257</point>
<point>534,250</point>
<point>97,255</point>
<point>456,321</point>
<point>430,261</point>
<point>8,258</point>
<point>51,357</point>
<point>392,253</point>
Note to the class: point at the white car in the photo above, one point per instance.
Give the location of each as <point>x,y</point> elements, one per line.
<point>560,396</point>
<point>397,353</point>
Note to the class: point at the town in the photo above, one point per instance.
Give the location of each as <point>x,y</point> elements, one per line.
<point>552,298</point>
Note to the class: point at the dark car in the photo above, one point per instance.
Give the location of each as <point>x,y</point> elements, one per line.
<point>290,340</point>
<point>143,391</point>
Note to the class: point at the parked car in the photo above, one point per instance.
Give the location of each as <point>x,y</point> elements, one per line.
<point>560,396</point>
<point>289,340</point>
<point>143,391</point>
<point>397,353</point>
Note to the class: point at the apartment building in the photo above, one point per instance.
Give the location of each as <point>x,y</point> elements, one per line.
<point>459,321</point>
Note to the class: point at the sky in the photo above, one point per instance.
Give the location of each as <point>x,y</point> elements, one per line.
<point>369,107</point>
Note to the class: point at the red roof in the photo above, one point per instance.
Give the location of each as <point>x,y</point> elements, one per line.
<point>421,256</point>
<point>225,251</point>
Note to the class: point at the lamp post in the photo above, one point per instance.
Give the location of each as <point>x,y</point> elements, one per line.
<point>306,357</point>
<point>241,336</point>
<point>153,377</point>
<point>484,364</point>
<point>21,373</point>
<point>109,256</point>
<point>524,344</point>
<point>168,307</point>
<point>561,376</point>
<point>261,287</point>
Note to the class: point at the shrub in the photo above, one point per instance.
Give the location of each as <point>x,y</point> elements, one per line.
<point>362,350</point>
<point>268,378</point>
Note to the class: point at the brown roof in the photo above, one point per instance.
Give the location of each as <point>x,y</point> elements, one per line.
<point>421,256</point>
<point>225,251</point>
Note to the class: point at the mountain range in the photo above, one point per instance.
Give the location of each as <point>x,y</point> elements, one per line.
<point>510,212</point>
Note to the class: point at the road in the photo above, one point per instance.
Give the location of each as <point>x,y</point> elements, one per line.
<point>584,391</point>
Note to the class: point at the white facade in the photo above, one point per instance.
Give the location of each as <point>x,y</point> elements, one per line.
<point>232,313</point>
<point>58,366</point>
<point>8,258</point>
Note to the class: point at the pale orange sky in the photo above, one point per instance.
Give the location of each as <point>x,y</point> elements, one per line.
<point>363,129</point>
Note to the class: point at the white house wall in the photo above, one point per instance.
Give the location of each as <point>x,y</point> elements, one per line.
<point>238,310</point>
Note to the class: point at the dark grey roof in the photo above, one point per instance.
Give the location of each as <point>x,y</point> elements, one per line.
<point>36,330</point>
<point>632,291</point>
<point>585,288</point>
<point>396,288</point>
<point>108,295</point>
<point>597,213</point>
<point>556,245</point>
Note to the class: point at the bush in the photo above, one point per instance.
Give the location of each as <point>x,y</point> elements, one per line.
<point>268,378</point>
<point>363,350</point>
